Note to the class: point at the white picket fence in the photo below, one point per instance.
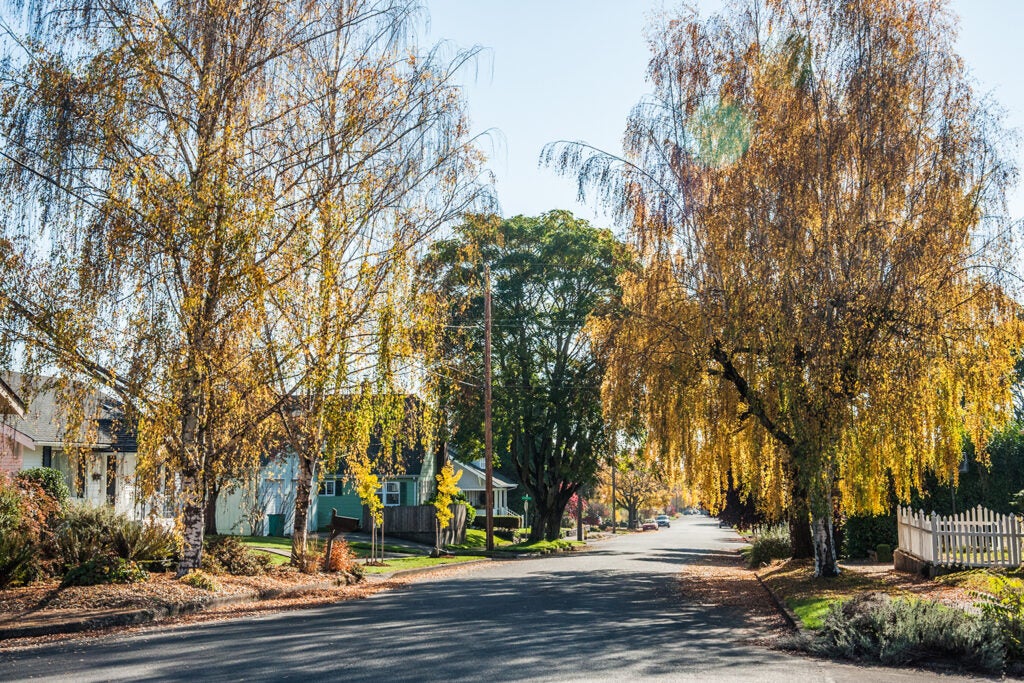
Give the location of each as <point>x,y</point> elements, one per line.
<point>975,538</point>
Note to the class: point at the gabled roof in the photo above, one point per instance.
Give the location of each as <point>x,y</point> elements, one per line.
<point>498,480</point>
<point>44,420</point>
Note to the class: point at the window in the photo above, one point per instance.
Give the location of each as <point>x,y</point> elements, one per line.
<point>392,495</point>
<point>328,488</point>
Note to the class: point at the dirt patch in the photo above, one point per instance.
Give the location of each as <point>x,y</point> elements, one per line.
<point>162,590</point>
<point>723,581</point>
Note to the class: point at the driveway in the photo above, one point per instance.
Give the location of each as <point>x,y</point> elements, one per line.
<point>609,614</point>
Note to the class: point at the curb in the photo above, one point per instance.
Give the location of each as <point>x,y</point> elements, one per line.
<point>144,616</point>
<point>787,615</point>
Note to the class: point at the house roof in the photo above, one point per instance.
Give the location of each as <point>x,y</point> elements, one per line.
<point>10,402</point>
<point>44,420</point>
<point>498,480</point>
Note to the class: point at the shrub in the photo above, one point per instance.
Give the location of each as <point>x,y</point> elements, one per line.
<point>500,522</point>
<point>227,555</point>
<point>313,561</point>
<point>772,544</point>
<point>342,558</point>
<point>51,481</point>
<point>84,534</point>
<point>147,544</point>
<point>862,533</point>
<point>25,510</point>
<point>506,522</point>
<point>512,535</point>
<point>1002,601</point>
<point>899,632</point>
<point>883,553</point>
<point>104,569</point>
<point>17,555</point>
<point>470,512</point>
<point>200,579</point>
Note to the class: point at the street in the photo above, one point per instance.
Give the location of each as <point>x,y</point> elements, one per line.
<point>613,613</point>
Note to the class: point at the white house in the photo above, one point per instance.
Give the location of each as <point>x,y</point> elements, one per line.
<point>98,460</point>
<point>473,483</point>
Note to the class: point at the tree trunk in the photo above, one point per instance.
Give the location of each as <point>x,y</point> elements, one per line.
<point>553,526</point>
<point>192,520</point>
<point>303,491</point>
<point>824,547</point>
<point>212,494</point>
<point>536,524</point>
<point>825,555</point>
<point>801,543</point>
<point>579,518</point>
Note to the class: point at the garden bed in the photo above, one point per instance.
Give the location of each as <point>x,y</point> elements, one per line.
<point>793,583</point>
<point>162,590</point>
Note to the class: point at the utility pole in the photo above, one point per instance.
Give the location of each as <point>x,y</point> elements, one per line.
<point>614,521</point>
<point>488,436</point>
<point>579,515</point>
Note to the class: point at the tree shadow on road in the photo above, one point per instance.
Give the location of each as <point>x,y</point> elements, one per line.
<point>543,624</point>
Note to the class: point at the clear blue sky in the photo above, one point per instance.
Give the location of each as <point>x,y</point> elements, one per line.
<point>572,69</point>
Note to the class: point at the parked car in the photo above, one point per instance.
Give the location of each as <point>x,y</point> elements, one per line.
<point>663,520</point>
<point>649,525</point>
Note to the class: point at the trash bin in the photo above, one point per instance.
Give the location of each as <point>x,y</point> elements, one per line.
<point>275,525</point>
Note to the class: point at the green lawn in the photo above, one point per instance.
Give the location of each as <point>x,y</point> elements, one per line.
<point>393,565</point>
<point>274,557</point>
<point>476,539</point>
<point>266,542</point>
<point>545,546</point>
<point>811,611</point>
<point>359,548</point>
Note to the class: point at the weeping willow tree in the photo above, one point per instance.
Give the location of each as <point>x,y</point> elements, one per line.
<point>817,195</point>
<point>167,170</point>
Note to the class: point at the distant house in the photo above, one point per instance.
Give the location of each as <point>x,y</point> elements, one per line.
<point>414,486</point>
<point>237,510</point>
<point>473,483</point>
<point>98,459</point>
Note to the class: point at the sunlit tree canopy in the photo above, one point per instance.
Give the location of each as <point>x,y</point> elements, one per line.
<point>817,194</point>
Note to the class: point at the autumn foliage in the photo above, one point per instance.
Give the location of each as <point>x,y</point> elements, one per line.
<point>814,190</point>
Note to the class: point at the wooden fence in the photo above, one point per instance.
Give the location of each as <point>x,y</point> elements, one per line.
<point>417,523</point>
<point>975,538</point>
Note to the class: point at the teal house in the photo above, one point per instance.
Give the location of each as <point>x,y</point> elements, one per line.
<point>269,508</point>
<point>413,487</point>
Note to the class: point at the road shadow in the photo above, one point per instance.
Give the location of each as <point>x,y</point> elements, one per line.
<point>550,624</point>
<point>550,619</point>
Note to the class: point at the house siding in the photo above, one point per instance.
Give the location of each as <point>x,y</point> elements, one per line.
<point>347,505</point>
<point>30,459</point>
<point>11,456</point>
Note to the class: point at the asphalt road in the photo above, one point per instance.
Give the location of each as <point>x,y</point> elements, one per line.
<point>610,614</point>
